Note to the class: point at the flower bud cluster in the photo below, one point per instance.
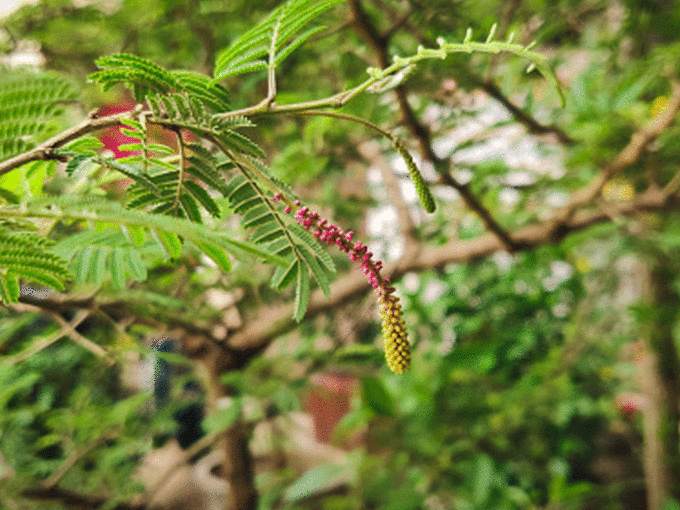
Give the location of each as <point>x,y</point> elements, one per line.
<point>397,347</point>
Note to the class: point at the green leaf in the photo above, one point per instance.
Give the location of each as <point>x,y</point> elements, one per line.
<point>311,242</point>
<point>376,396</point>
<point>31,104</point>
<point>202,196</point>
<point>246,54</point>
<point>314,482</point>
<point>83,263</point>
<point>297,42</point>
<point>133,124</point>
<point>257,216</point>
<point>170,243</point>
<point>86,145</point>
<point>319,273</point>
<point>131,147</point>
<point>157,147</point>
<point>9,288</point>
<point>135,265</point>
<point>190,208</point>
<point>134,233</point>
<point>141,74</point>
<point>118,273</point>
<point>240,143</point>
<point>216,254</point>
<point>267,232</point>
<point>76,163</point>
<point>132,134</point>
<point>206,173</point>
<point>199,86</point>
<point>283,277</point>
<point>302,292</point>
<point>483,473</point>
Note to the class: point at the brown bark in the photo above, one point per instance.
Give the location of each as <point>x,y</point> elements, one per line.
<point>668,367</point>
<point>650,385</point>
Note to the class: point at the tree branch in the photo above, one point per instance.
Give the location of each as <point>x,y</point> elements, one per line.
<point>420,131</point>
<point>630,154</point>
<point>75,500</point>
<point>45,150</point>
<point>523,117</point>
<point>45,342</point>
<point>67,329</point>
<point>276,320</point>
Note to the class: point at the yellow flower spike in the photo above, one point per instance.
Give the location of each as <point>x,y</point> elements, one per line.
<point>397,347</point>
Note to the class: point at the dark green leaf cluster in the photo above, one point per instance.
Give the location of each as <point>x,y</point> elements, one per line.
<point>270,42</point>
<point>161,187</point>
<point>24,255</point>
<point>29,105</point>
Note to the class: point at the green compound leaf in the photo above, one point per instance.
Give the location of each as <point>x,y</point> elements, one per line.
<point>28,256</point>
<point>30,106</point>
<point>267,42</point>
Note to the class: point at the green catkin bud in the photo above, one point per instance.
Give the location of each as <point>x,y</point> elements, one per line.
<point>397,347</point>
<point>426,198</point>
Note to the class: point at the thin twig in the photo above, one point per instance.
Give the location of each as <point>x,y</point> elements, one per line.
<point>67,329</point>
<point>43,343</point>
<point>66,466</point>
<point>45,150</point>
<point>523,117</point>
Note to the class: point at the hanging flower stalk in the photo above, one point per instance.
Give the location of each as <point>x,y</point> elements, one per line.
<point>395,336</point>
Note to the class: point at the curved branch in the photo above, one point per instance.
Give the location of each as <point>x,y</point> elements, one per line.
<point>44,151</point>
<point>273,321</point>
<point>629,155</point>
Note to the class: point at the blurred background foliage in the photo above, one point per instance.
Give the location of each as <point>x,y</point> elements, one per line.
<point>524,381</point>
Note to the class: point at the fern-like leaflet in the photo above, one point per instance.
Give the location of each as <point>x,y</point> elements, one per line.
<point>274,231</point>
<point>274,38</point>
<point>147,78</point>
<point>30,105</point>
<point>26,255</point>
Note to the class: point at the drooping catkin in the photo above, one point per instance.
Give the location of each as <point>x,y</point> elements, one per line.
<point>426,198</point>
<point>395,337</point>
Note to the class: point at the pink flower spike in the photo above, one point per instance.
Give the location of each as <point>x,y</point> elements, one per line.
<point>297,202</point>
<point>287,210</point>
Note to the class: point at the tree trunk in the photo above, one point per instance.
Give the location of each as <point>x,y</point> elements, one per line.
<point>659,378</point>
<point>239,470</point>
<point>666,308</point>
